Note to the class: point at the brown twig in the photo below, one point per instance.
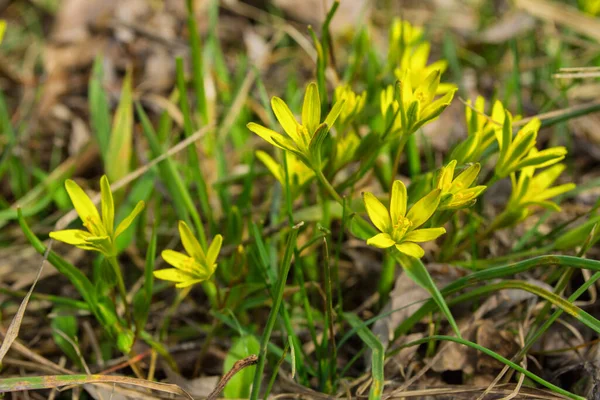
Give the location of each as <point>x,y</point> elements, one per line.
<point>237,367</point>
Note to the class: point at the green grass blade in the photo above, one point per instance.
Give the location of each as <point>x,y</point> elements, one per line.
<point>118,158</point>
<point>193,160</point>
<point>278,298</point>
<point>495,273</point>
<point>415,269</point>
<point>99,108</point>
<point>377,354</point>
<point>182,200</point>
<point>498,357</point>
<point>197,63</point>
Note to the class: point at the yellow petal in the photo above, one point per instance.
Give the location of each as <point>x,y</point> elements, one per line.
<point>445,178</point>
<point>185,284</point>
<point>108,205</point>
<point>398,200</point>
<point>555,191</point>
<point>74,237</point>
<point>411,249</point>
<point>86,210</point>
<point>285,117</point>
<point>423,209</point>
<point>213,252</point>
<point>311,108</point>
<point>378,214</point>
<point>463,198</point>
<point>272,166</point>
<point>424,235</point>
<point>186,264</point>
<point>466,178</point>
<point>129,219</point>
<point>381,240</point>
<point>191,244</point>
<point>267,134</point>
<point>173,275</point>
<point>335,112</point>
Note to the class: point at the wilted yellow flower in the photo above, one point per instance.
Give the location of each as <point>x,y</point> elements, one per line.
<point>456,192</point>
<point>100,235</point>
<point>194,267</point>
<point>304,140</point>
<point>399,227</point>
<point>515,152</point>
<point>298,172</point>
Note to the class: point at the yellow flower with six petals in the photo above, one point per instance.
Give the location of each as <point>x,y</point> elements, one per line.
<point>194,267</point>
<point>304,140</point>
<point>100,235</point>
<point>398,226</point>
<point>456,192</point>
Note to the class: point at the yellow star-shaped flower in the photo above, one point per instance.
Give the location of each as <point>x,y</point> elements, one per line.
<point>194,267</point>
<point>100,234</point>
<point>398,226</point>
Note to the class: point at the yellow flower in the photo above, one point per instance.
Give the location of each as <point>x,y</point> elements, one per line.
<point>457,193</point>
<point>353,103</point>
<point>399,227</point>
<point>414,104</point>
<point>591,7</point>
<point>298,172</point>
<point>481,131</point>
<point>2,29</point>
<point>100,235</point>
<point>531,191</point>
<point>345,150</point>
<point>194,267</point>
<point>516,154</point>
<point>304,140</point>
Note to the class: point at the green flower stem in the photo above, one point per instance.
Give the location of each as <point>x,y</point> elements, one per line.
<point>403,140</point>
<point>329,317</point>
<point>327,186</point>
<point>120,284</point>
<point>181,294</point>
<point>387,278</point>
<point>412,154</point>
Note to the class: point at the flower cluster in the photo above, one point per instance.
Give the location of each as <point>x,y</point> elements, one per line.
<point>518,151</point>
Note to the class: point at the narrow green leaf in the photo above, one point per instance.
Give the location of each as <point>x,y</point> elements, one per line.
<point>377,354</point>
<point>498,357</point>
<point>277,300</point>
<point>415,269</point>
<point>118,158</point>
<point>99,108</point>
